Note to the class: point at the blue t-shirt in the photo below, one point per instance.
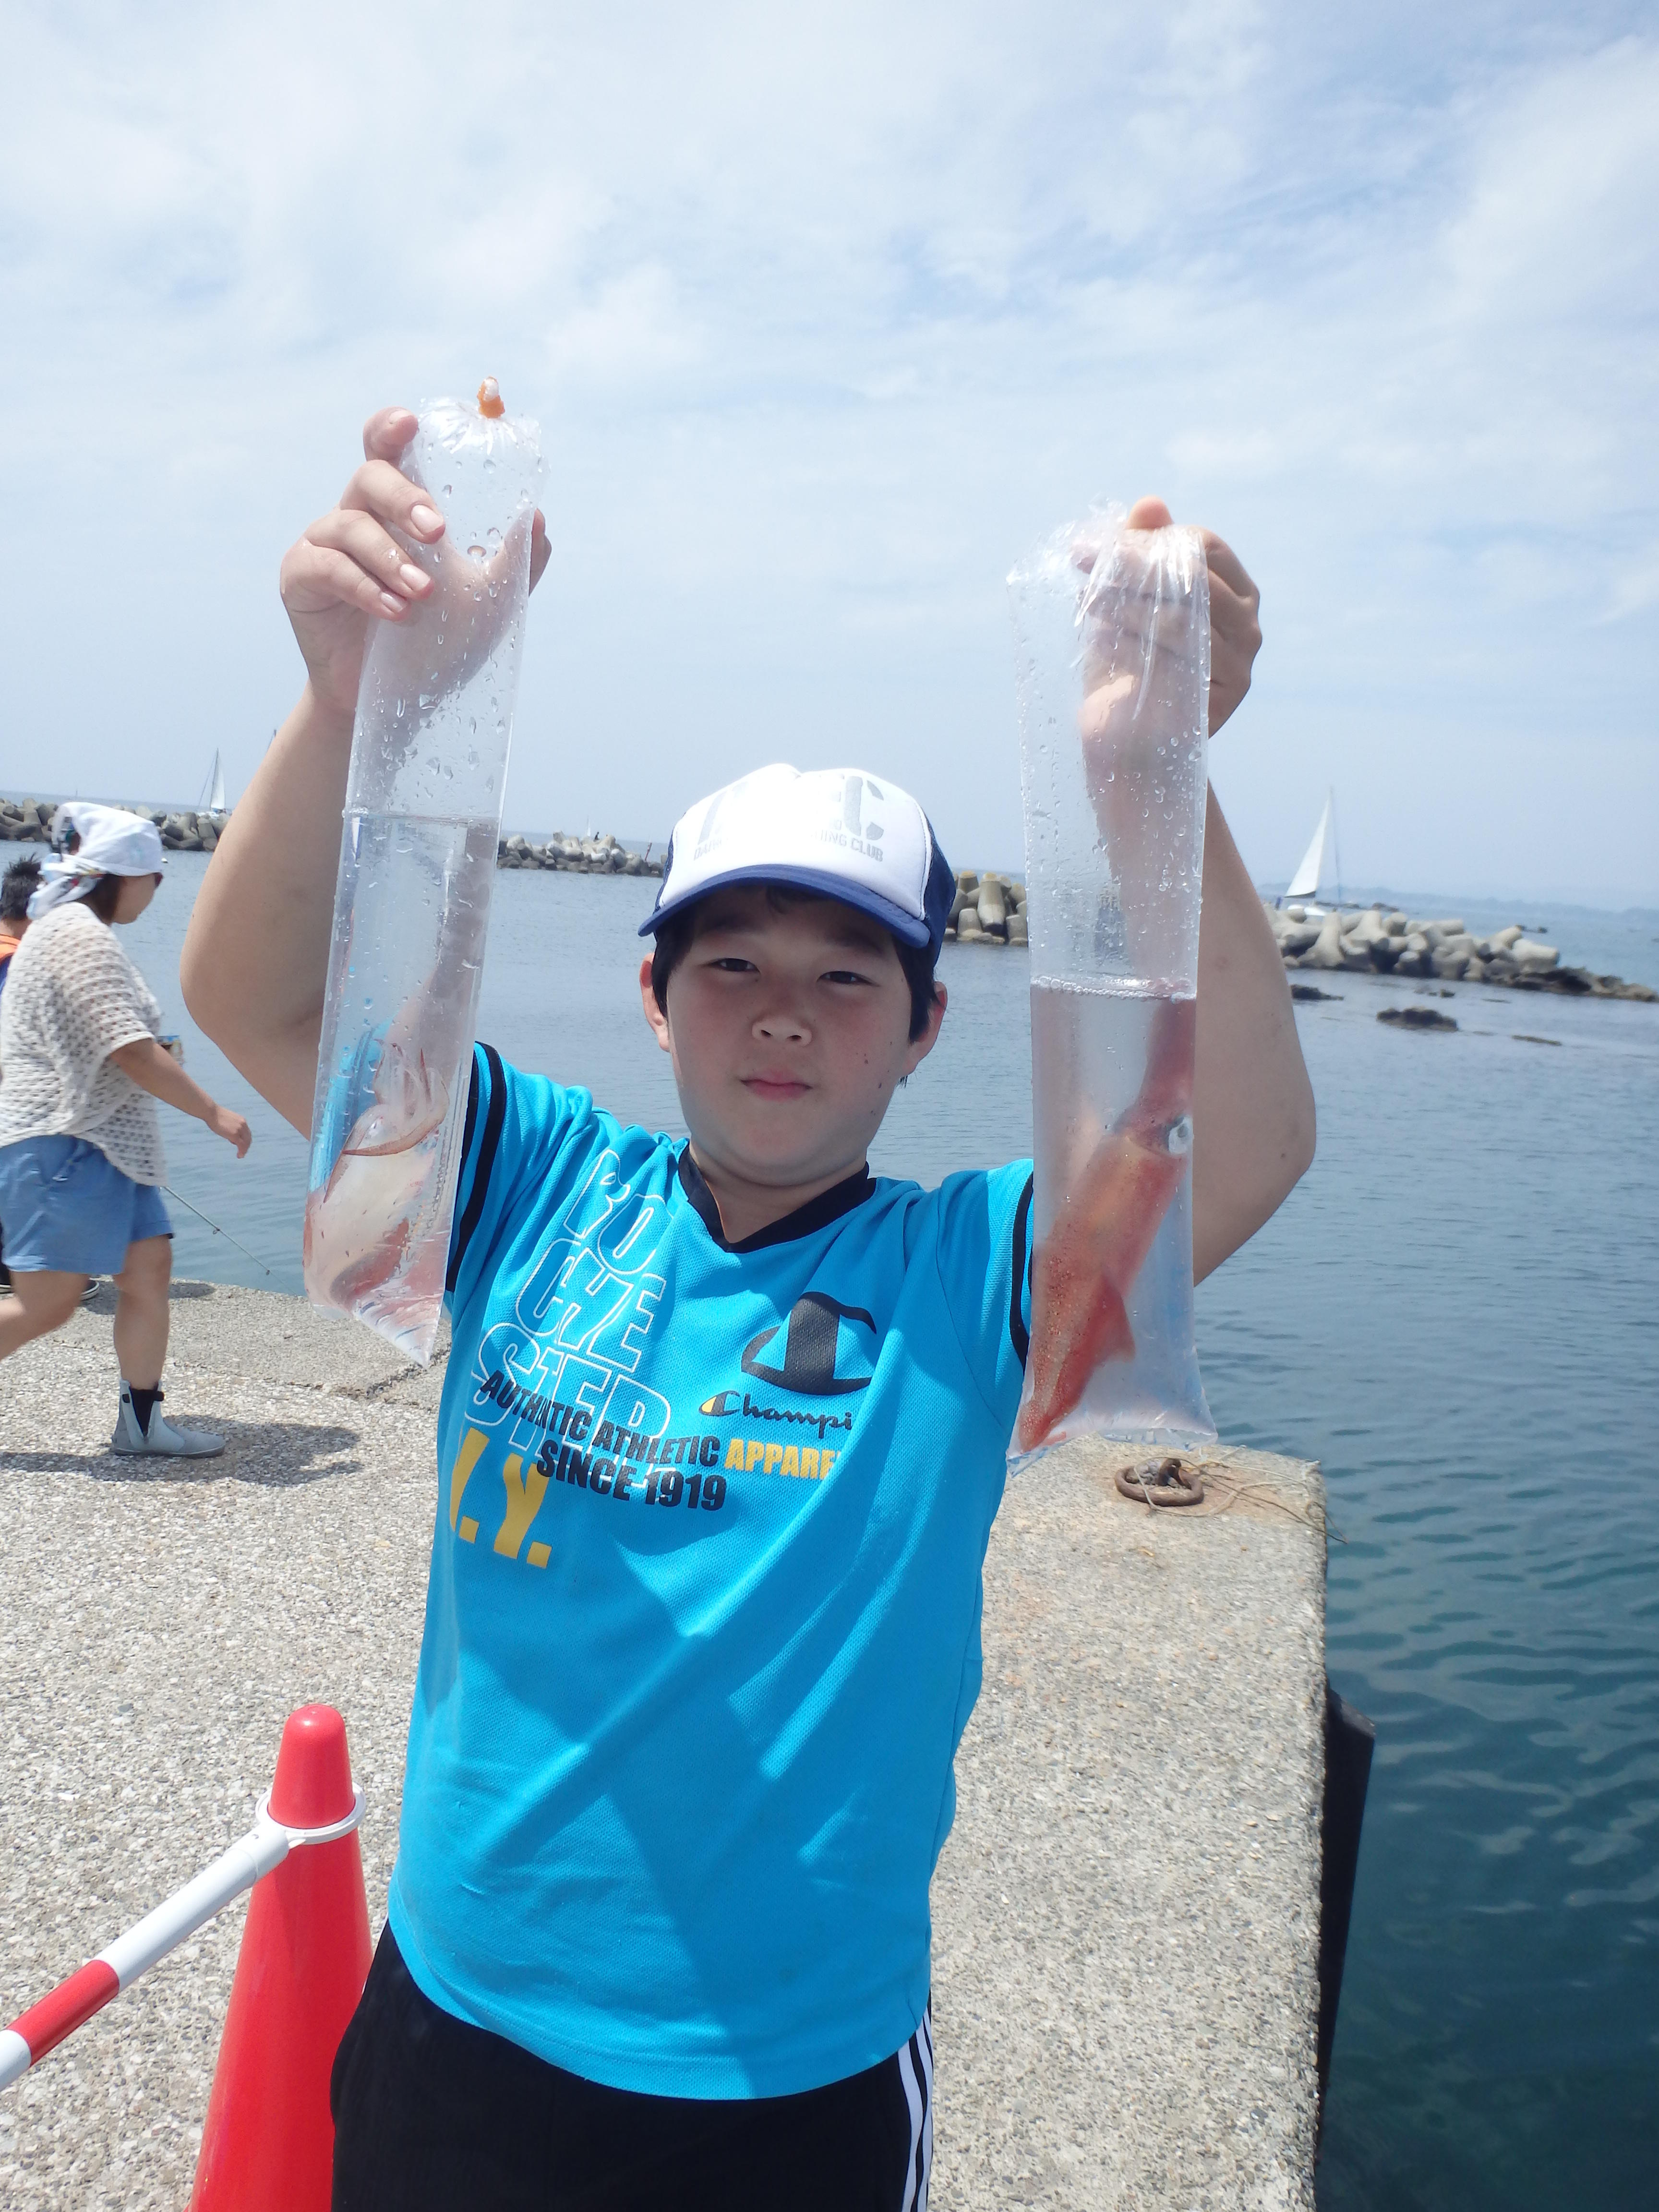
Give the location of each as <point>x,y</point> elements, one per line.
<point>702,1630</point>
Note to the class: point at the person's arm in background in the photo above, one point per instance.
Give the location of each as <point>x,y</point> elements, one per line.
<point>153,1068</point>
<point>255,962</point>
<point>1253,1105</point>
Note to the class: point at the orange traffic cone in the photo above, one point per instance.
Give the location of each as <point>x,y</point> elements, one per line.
<point>268,2145</point>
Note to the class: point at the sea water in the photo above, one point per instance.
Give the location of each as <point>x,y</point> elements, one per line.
<point>399,1016</point>
<point>1111,1099</point>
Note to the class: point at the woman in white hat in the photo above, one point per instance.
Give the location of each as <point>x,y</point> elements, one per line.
<point>80,1158</point>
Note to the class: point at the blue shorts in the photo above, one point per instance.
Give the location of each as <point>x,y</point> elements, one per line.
<point>63,1206</point>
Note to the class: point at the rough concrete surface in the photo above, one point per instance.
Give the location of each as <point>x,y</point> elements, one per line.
<point>158,1621</point>
<point>1126,1917</point>
<point>1126,1914</point>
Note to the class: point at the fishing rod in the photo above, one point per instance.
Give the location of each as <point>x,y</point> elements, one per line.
<point>215,1227</point>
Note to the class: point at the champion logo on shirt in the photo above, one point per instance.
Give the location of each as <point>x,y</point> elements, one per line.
<point>811,1347</point>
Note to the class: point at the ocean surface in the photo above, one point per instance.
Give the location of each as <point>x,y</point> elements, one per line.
<point>1456,1314</point>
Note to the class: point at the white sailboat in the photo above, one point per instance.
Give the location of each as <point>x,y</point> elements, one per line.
<point>212,789</point>
<point>1320,876</point>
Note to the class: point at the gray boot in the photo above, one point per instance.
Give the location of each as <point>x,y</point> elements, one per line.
<point>162,1438</point>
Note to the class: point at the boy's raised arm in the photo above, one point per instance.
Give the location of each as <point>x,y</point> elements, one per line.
<point>255,962</point>
<point>1253,1105</point>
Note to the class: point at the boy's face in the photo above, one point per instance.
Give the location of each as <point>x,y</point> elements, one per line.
<point>789,1031</point>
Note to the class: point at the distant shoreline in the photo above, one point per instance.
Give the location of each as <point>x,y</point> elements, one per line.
<point>199,829</point>
<point>990,908</point>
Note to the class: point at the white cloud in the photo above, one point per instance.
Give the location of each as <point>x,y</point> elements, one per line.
<point>826,315</point>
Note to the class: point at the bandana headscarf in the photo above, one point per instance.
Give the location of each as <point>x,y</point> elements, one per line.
<point>112,843</point>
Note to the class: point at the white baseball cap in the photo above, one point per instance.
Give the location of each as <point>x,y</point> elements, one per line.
<point>841,831</point>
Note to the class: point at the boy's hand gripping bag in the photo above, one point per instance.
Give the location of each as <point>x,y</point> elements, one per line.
<point>418,861</point>
<point>1113,631</point>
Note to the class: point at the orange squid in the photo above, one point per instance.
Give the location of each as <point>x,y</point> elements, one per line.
<point>1086,1265</point>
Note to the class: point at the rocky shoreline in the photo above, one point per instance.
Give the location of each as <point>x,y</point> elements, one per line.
<point>582,856</point>
<point>183,829</point>
<point>190,829</point>
<point>1379,941</point>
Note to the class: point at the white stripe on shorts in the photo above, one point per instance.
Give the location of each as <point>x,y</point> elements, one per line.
<point>916,2064</point>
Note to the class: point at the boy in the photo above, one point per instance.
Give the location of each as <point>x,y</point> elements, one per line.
<point>722,1436</point>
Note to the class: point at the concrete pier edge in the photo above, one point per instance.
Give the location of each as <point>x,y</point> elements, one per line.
<point>1126,1916</point>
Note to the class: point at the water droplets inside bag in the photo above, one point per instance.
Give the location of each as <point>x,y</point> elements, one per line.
<point>411,902</point>
<point>1112,630</point>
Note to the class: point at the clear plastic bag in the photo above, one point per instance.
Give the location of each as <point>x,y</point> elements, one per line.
<point>411,902</point>
<point>1113,631</point>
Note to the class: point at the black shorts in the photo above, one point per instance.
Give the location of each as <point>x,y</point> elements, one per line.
<point>432,2115</point>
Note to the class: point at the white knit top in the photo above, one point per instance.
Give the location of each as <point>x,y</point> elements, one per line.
<point>72,998</point>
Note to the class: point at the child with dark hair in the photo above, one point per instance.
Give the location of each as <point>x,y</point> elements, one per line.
<point>17,887</point>
<point>723,1431</point>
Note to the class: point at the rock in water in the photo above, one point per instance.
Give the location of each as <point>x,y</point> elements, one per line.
<point>1532,957</point>
<point>1416,1018</point>
<point>1328,947</point>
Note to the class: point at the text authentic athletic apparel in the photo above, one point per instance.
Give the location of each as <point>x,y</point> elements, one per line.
<point>702,1630</point>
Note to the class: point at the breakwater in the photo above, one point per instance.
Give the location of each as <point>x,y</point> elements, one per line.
<point>988,909</point>
<point>582,856</point>
<point>192,829</point>
<point>1377,941</point>
<point>183,828</point>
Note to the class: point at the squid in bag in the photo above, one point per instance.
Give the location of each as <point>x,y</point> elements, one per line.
<point>1113,631</point>
<point>417,860</point>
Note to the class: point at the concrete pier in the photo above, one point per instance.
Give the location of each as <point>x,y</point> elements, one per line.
<point>1126,1916</point>
<point>1127,1912</point>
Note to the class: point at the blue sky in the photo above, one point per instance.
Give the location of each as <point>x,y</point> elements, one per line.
<point>826,321</point>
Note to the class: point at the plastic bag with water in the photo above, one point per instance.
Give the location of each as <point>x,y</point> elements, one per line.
<point>1113,633</point>
<point>411,902</point>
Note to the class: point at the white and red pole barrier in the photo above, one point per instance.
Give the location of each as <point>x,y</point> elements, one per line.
<point>73,2002</point>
